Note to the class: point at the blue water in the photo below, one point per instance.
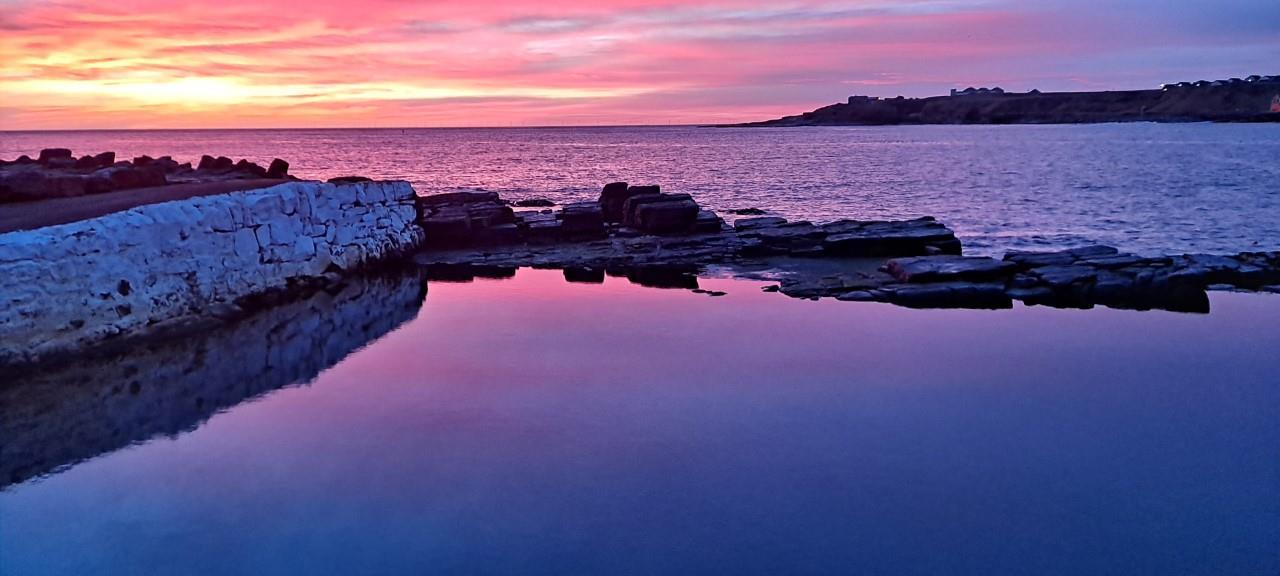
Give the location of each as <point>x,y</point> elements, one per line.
<point>1149,188</point>
<point>529,426</point>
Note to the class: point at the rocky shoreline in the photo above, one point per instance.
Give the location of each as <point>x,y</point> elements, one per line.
<point>916,263</point>
<point>157,269</point>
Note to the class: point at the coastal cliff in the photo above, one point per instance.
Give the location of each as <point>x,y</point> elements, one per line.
<point>1218,102</point>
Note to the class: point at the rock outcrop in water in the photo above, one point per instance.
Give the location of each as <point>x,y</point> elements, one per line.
<point>910,262</point>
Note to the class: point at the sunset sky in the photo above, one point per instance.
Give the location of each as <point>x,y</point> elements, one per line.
<point>284,63</point>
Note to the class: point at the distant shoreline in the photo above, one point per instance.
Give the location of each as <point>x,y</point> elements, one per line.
<point>1232,101</point>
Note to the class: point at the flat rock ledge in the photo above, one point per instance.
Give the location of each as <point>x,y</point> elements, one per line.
<point>914,263</point>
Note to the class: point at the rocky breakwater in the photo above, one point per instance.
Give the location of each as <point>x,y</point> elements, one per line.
<point>58,173</point>
<point>631,228</point>
<point>637,231</point>
<point>483,219</point>
<point>172,266</point>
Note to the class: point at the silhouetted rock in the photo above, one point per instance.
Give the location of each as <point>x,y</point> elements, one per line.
<point>582,220</point>
<point>53,153</point>
<point>533,203</point>
<point>349,179</point>
<point>278,169</point>
<point>250,169</point>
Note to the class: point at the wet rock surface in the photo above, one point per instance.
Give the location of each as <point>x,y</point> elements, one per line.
<point>916,263</point>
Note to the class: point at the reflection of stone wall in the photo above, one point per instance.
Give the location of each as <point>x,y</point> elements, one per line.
<point>135,272</point>
<point>67,414</point>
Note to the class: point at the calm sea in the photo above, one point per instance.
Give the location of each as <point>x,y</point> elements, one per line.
<point>529,427</point>
<point>1148,188</point>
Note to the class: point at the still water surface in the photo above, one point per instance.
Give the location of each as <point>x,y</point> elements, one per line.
<point>529,426</point>
<point>1154,189</point>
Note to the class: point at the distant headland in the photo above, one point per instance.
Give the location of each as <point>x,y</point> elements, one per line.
<point>1252,99</point>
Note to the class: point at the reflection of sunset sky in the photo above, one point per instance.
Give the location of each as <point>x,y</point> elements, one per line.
<point>146,63</point>
<point>529,426</point>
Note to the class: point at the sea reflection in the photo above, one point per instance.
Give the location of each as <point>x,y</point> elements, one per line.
<point>522,424</point>
<point>55,416</point>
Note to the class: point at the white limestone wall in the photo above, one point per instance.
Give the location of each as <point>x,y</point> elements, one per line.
<point>125,274</point>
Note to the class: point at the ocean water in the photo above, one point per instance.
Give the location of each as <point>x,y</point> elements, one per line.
<point>529,426</point>
<point>1148,188</point>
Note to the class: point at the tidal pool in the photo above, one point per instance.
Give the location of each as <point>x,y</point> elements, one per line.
<point>534,426</point>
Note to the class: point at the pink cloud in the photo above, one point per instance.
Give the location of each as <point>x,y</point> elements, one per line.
<point>151,63</point>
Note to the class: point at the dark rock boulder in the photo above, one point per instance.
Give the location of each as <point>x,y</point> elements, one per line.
<point>582,220</point>
<point>127,177</point>
<point>708,222</point>
<point>660,213</point>
<point>87,163</point>
<point>60,163</point>
<point>349,179</point>
<point>496,235</point>
<point>105,159</point>
<point>747,212</point>
<point>166,164</point>
<point>27,185</point>
<point>143,160</point>
<point>533,203</point>
<point>23,186</point>
<point>615,195</point>
<point>97,183</point>
<point>49,154</point>
<point>666,217</point>
<point>491,215</point>
<point>206,162</point>
<point>278,169</point>
<point>447,228</point>
<point>542,230</point>
<point>250,169</point>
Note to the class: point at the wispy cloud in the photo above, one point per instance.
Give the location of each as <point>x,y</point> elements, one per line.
<point>120,63</point>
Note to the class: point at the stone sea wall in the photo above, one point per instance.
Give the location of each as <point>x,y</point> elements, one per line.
<point>60,415</point>
<point>155,267</point>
